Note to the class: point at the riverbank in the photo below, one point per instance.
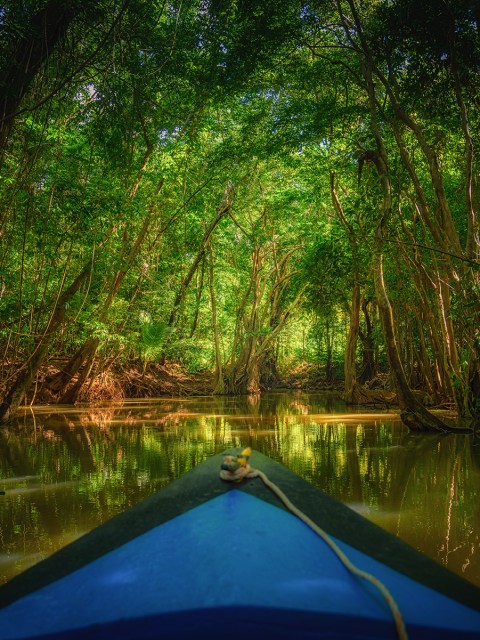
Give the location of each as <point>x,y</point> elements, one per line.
<point>136,379</point>
<point>153,380</point>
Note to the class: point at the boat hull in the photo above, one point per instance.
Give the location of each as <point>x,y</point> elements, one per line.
<point>203,558</point>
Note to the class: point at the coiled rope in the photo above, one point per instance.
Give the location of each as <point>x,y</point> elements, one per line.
<point>244,470</point>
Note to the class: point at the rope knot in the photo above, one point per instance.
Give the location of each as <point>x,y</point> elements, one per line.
<point>235,468</point>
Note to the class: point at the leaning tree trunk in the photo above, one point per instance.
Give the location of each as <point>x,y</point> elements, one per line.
<point>18,390</point>
<point>222,211</point>
<point>89,351</point>
<point>444,230</point>
<point>62,378</point>
<point>413,414</point>
<point>28,55</point>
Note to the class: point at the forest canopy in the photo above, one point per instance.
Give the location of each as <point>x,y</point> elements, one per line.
<point>262,193</point>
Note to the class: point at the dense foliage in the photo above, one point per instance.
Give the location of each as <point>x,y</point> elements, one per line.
<point>251,189</point>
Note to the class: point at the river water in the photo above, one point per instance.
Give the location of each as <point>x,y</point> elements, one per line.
<point>65,470</point>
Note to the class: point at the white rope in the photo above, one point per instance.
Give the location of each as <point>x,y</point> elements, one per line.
<point>249,472</point>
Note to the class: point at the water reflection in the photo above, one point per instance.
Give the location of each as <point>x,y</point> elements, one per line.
<point>65,470</point>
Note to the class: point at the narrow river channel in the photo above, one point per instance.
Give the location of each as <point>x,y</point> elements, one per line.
<point>65,470</point>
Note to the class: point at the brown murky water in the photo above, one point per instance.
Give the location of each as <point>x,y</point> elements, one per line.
<point>65,470</point>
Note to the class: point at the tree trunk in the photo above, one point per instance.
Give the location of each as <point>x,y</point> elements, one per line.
<point>329,371</point>
<point>368,347</point>
<point>89,351</point>
<point>62,379</point>
<point>413,414</point>
<point>253,376</point>
<point>198,298</point>
<point>46,28</point>
<point>352,340</point>
<point>424,361</point>
<point>440,220</point>
<point>219,384</point>
<point>269,375</point>
<point>472,245</point>
<point>350,373</point>
<point>18,390</point>
<point>222,211</point>
<point>247,370</point>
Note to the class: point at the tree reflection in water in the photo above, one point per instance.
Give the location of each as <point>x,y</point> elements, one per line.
<point>66,470</point>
